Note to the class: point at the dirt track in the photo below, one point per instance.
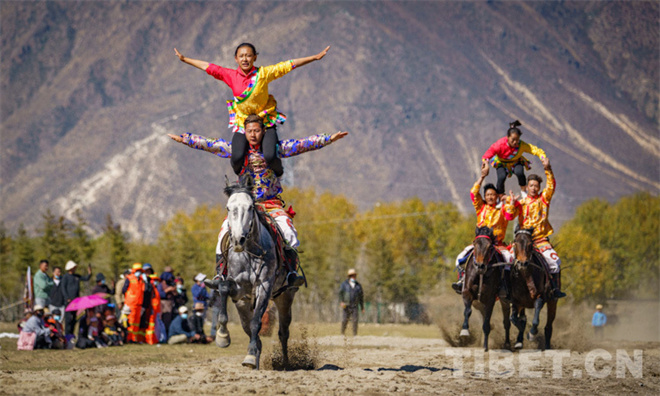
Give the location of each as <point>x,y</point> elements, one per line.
<point>364,365</point>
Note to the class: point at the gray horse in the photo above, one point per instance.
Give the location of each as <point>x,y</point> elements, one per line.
<point>253,275</point>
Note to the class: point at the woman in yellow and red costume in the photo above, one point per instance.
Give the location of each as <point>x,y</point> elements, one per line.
<point>506,156</point>
<point>249,84</point>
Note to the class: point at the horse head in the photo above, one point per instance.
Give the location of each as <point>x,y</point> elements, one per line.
<point>240,211</point>
<point>523,246</point>
<point>483,243</point>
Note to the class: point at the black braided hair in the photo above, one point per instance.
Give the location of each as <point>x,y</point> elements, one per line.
<point>513,128</point>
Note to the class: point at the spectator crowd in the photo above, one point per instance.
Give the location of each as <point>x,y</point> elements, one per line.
<point>141,307</point>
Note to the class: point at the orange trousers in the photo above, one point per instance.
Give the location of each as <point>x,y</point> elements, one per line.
<point>151,330</point>
<point>135,334</point>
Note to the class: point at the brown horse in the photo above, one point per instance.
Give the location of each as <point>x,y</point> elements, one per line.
<point>483,277</point>
<point>530,288</point>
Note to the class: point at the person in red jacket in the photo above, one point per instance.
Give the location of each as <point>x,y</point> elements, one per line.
<point>505,155</point>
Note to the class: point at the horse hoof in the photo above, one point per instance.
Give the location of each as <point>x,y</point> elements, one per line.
<point>250,361</point>
<point>223,341</point>
<point>506,346</point>
<point>531,337</point>
<point>518,345</point>
<point>465,333</point>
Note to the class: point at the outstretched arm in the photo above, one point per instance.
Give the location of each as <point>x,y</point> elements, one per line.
<point>202,65</point>
<point>219,147</point>
<point>292,147</point>
<point>303,61</point>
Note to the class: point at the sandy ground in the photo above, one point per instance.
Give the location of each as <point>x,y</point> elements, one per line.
<point>363,365</point>
<point>383,359</point>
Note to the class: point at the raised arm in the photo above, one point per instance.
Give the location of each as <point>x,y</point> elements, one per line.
<point>550,182</point>
<point>219,147</point>
<point>292,147</point>
<point>475,196</point>
<point>511,207</point>
<point>303,61</point>
<point>201,65</point>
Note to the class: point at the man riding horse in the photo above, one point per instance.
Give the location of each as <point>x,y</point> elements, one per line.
<point>488,215</point>
<point>266,188</point>
<point>532,212</point>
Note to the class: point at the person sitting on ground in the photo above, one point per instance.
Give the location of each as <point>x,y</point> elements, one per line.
<point>95,333</point>
<point>532,212</point>
<point>113,332</point>
<point>249,84</point>
<point>489,214</point>
<point>505,155</point>
<point>197,323</point>
<point>52,321</point>
<point>35,324</point>
<point>267,187</point>
<point>180,331</point>
<point>83,341</point>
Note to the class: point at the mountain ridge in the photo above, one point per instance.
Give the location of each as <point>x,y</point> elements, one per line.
<point>423,88</point>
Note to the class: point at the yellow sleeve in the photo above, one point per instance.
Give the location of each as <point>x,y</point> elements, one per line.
<point>530,148</point>
<point>477,201</point>
<point>273,72</point>
<point>550,186</point>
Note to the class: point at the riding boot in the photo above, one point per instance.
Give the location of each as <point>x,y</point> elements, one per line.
<point>555,281</point>
<point>290,260</point>
<point>458,285</point>
<point>215,282</point>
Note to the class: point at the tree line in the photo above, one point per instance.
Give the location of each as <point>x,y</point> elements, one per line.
<point>401,250</point>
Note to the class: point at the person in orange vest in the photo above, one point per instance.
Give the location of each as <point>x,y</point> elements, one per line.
<point>133,298</point>
<point>151,336</point>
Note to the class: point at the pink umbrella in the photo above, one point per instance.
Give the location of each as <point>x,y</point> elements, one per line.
<point>85,302</point>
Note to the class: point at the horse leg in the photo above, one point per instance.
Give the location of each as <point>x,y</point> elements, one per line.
<point>283,303</point>
<point>467,300</point>
<point>506,311</point>
<point>519,319</point>
<point>552,311</point>
<point>538,305</point>
<point>222,338</point>
<point>254,326</point>
<point>488,312</point>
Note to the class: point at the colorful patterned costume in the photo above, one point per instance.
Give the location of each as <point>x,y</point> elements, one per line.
<point>500,154</point>
<point>251,93</point>
<point>267,188</point>
<point>533,212</point>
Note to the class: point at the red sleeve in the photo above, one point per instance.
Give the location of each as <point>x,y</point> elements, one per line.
<point>218,72</point>
<point>493,149</point>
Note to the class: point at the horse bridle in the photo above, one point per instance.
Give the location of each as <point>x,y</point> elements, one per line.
<point>252,233</point>
<point>491,251</point>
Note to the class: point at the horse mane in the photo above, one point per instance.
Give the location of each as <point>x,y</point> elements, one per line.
<point>484,231</point>
<point>243,185</point>
<point>517,229</point>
